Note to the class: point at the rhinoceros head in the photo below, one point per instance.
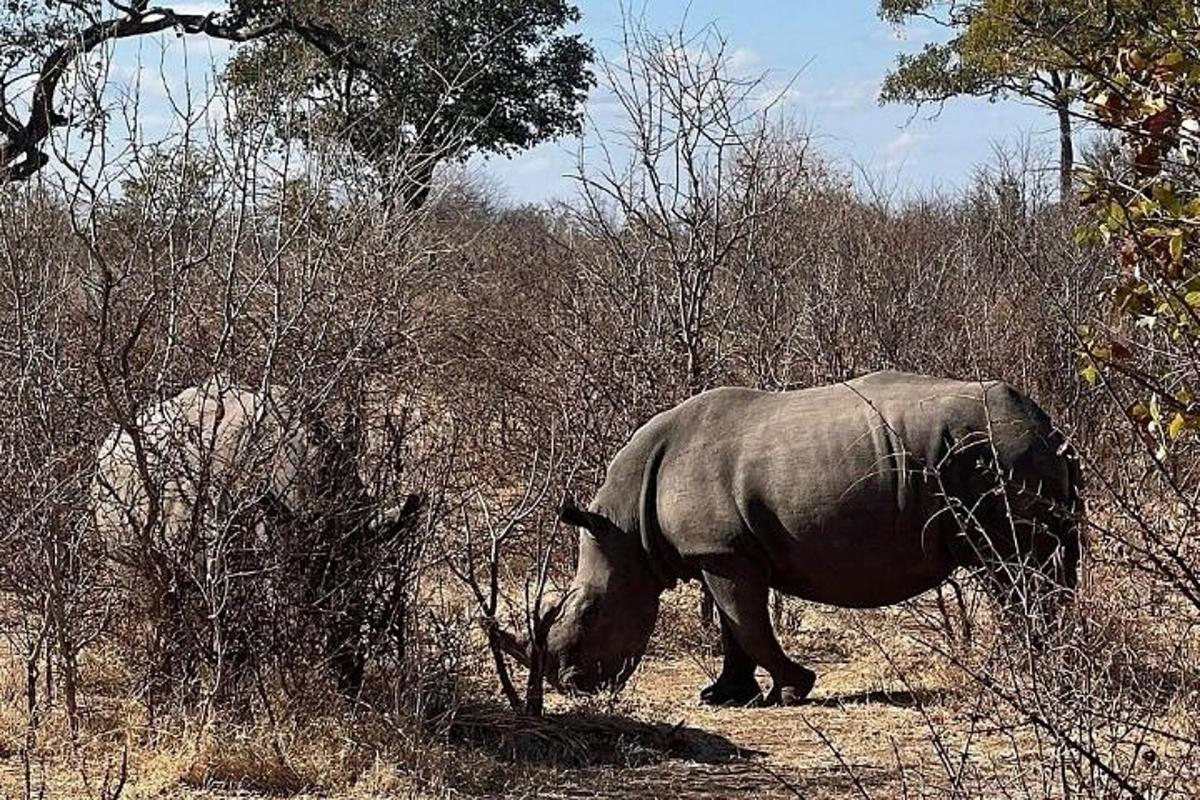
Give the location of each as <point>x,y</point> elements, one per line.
<point>596,632</point>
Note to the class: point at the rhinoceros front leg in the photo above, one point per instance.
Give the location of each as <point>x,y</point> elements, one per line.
<point>743,602</point>
<point>736,685</point>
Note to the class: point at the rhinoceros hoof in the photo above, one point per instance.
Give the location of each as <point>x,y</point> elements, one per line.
<point>792,694</point>
<point>730,693</point>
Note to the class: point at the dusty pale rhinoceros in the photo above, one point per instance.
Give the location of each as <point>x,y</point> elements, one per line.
<point>225,480</point>
<point>860,494</point>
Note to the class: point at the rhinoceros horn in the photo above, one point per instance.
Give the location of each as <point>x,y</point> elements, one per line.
<point>510,644</point>
<point>519,647</point>
<point>401,514</point>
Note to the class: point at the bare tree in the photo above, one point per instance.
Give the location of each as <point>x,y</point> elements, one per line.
<point>684,187</point>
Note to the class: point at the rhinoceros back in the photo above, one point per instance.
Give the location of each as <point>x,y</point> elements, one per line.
<point>210,444</point>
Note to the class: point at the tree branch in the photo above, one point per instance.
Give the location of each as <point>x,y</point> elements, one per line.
<point>20,153</point>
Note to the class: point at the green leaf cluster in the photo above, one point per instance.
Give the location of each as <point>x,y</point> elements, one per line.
<point>995,47</point>
<point>1145,88</point>
<point>1027,48</point>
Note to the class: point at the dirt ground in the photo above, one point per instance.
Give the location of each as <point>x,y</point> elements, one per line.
<point>846,742</point>
<point>845,734</point>
<point>887,719</point>
<point>866,730</point>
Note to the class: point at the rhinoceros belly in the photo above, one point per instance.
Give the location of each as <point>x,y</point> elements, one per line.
<point>845,519</point>
<point>859,553</point>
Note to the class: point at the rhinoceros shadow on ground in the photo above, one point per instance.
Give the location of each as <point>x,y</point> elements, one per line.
<point>900,698</point>
<point>583,739</point>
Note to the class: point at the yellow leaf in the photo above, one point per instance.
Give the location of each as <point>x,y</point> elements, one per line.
<point>1176,427</point>
<point>1163,194</point>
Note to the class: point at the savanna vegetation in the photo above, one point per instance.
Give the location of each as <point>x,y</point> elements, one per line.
<point>304,226</point>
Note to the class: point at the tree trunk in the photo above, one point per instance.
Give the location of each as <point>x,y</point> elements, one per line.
<point>1066,153</point>
<point>408,181</point>
<point>1066,145</point>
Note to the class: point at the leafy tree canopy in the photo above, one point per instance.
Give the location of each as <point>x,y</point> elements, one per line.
<point>990,52</point>
<point>1032,49</point>
<point>1145,89</point>
<point>430,77</point>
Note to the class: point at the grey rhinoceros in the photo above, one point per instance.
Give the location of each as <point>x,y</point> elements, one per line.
<point>220,472</point>
<point>860,494</point>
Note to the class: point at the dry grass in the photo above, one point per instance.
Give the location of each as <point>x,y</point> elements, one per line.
<point>889,717</point>
<point>895,713</point>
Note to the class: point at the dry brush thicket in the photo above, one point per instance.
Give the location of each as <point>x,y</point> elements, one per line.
<point>492,359</point>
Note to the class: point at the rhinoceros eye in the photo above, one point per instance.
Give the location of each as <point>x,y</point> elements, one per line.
<point>590,614</point>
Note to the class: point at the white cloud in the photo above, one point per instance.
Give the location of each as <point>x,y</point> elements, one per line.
<point>532,165</point>
<point>744,60</point>
<point>773,95</point>
<point>899,149</point>
<point>844,96</point>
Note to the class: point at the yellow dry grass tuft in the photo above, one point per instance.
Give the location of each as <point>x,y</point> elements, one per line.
<point>242,761</point>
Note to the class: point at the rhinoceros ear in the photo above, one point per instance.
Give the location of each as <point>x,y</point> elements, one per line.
<point>572,514</point>
<point>398,517</point>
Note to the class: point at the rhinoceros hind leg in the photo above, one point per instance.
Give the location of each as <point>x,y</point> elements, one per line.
<point>743,602</point>
<point>792,694</point>
<point>736,685</point>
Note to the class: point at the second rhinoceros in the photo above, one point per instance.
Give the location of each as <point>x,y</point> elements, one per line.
<point>861,494</point>
<point>225,486</point>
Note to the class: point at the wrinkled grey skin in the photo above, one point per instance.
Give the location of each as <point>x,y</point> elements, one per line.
<point>851,495</point>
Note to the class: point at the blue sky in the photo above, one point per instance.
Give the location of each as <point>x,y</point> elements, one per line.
<point>838,51</point>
